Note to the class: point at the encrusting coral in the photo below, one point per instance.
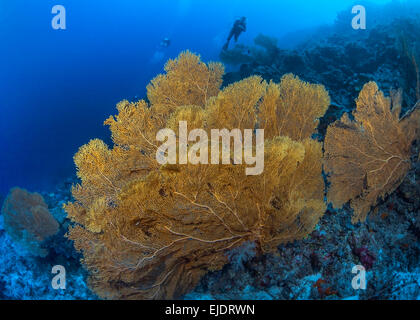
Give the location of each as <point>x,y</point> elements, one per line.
<point>28,221</point>
<point>368,158</point>
<point>150,231</point>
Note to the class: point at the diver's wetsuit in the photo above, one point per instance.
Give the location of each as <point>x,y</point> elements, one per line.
<point>238,27</point>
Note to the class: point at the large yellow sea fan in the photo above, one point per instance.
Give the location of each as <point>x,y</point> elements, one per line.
<point>151,231</point>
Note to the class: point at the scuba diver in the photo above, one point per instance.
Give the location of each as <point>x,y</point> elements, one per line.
<point>238,27</point>
<point>159,55</point>
<point>166,42</point>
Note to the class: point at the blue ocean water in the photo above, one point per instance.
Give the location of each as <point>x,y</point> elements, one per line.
<point>57,86</point>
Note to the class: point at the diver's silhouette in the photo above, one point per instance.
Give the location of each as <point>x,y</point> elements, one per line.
<point>238,27</point>
<point>166,42</point>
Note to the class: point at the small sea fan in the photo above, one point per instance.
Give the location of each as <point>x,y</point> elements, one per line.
<point>28,221</point>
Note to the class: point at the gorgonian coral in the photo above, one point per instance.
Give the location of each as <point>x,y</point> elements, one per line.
<point>187,81</point>
<point>28,221</point>
<point>151,231</point>
<point>368,158</point>
<point>293,108</point>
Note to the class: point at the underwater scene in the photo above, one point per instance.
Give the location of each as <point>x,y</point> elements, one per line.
<point>210,150</point>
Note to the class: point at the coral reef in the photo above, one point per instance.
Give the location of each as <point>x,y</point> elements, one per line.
<point>319,266</point>
<point>28,221</point>
<point>151,231</point>
<point>210,232</point>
